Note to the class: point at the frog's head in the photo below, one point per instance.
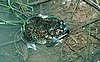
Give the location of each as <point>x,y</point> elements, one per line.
<point>61,33</point>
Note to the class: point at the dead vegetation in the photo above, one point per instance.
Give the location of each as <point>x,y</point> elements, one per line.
<point>83,43</point>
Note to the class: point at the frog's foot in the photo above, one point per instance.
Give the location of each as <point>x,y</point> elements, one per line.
<point>33,46</point>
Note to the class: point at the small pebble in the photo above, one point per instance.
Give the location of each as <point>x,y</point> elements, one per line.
<point>83,28</point>
<point>92,53</point>
<point>54,2</point>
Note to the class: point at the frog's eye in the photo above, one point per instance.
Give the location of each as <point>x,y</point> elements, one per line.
<point>66,30</point>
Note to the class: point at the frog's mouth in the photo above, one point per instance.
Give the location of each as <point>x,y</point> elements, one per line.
<point>38,30</point>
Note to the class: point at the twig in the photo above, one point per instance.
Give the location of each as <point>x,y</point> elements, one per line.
<point>91,3</point>
<point>94,37</point>
<point>39,2</point>
<point>16,46</point>
<point>84,25</point>
<point>11,42</point>
<point>61,55</point>
<point>77,2</point>
<point>91,22</point>
<point>41,11</point>
<point>74,38</point>
<point>73,50</point>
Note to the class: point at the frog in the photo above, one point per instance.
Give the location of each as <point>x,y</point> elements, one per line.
<point>44,31</point>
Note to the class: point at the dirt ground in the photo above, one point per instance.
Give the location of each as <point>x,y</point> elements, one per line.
<point>82,45</point>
